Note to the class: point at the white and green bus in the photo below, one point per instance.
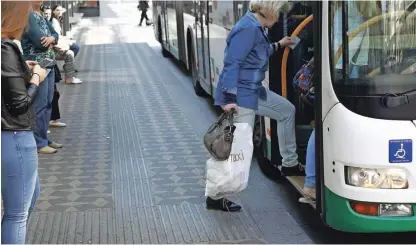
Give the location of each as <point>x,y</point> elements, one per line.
<point>364,111</point>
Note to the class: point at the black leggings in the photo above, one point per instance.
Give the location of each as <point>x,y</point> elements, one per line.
<point>144,16</point>
<point>55,105</point>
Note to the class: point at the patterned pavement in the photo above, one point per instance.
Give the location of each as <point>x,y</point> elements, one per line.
<point>133,163</point>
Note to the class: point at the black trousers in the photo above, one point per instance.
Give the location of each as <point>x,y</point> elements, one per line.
<point>55,115</point>
<point>144,16</point>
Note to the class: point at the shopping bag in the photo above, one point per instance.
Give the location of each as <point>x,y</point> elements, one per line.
<point>229,177</point>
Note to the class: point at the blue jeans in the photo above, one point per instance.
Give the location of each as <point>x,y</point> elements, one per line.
<point>75,48</point>
<point>36,194</point>
<point>310,179</point>
<point>281,110</point>
<point>19,171</point>
<point>44,109</point>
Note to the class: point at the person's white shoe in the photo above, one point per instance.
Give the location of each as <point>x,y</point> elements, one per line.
<point>57,124</point>
<point>76,80</point>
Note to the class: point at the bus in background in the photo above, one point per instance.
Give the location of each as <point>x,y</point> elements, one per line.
<point>364,92</point>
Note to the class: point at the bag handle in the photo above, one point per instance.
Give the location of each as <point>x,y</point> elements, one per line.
<point>227,115</point>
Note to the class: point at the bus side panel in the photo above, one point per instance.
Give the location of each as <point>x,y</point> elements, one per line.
<point>156,15</point>
<point>189,27</point>
<point>163,25</point>
<point>222,16</point>
<point>181,31</point>
<point>173,45</point>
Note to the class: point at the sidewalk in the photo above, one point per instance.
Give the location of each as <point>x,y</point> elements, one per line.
<point>133,164</point>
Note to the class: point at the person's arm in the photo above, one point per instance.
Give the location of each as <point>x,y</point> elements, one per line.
<point>241,42</point>
<point>17,96</point>
<point>274,47</point>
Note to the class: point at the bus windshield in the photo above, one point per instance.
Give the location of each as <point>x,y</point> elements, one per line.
<point>373,46</point>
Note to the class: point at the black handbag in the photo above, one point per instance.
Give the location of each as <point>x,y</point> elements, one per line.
<point>219,137</point>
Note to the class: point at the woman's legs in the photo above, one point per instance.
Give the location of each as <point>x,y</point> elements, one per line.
<point>18,179</point>
<point>35,196</point>
<point>55,116</point>
<point>144,16</point>
<point>281,110</point>
<point>310,180</point>
<point>43,113</point>
<point>69,67</point>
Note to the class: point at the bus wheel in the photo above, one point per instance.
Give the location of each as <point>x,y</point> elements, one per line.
<point>260,151</point>
<point>165,53</point>
<point>197,85</point>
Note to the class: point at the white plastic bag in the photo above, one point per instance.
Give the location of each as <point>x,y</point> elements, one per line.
<point>227,178</point>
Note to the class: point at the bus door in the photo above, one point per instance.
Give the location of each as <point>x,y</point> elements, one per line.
<point>202,44</point>
<point>163,24</point>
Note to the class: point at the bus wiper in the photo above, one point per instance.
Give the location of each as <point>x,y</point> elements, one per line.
<point>394,100</point>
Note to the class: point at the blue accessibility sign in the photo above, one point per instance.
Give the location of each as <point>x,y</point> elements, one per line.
<point>400,151</point>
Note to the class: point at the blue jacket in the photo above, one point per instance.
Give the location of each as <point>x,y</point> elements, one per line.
<point>246,59</point>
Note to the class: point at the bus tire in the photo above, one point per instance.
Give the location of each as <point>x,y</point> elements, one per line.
<point>165,53</point>
<point>260,151</point>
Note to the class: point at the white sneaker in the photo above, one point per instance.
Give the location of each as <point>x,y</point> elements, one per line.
<point>57,124</point>
<point>76,80</point>
<point>49,131</point>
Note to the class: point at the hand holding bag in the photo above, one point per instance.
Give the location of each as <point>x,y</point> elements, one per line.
<point>219,137</point>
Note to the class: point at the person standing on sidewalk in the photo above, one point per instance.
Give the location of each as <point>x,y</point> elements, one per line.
<point>20,85</point>
<point>38,41</point>
<point>144,6</point>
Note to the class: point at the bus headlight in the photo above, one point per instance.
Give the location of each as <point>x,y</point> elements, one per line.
<point>389,178</point>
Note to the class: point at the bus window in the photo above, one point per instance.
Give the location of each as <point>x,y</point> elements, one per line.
<point>373,46</point>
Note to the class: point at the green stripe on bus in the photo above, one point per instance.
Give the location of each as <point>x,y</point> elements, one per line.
<point>340,216</point>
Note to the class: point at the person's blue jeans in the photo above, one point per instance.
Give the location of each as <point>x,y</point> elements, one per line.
<point>44,109</point>
<point>281,110</point>
<point>75,48</point>
<point>19,171</point>
<point>36,194</point>
<point>310,179</point>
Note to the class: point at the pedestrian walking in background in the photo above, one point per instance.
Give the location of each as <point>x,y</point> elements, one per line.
<point>144,6</point>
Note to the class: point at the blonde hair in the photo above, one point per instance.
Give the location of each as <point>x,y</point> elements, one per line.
<point>14,17</point>
<point>269,6</point>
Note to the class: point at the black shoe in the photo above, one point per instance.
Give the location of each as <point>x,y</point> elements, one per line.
<point>223,205</point>
<point>298,170</point>
<point>76,70</point>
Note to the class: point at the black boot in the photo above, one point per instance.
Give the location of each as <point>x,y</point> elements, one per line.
<point>223,205</point>
<point>297,170</point>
